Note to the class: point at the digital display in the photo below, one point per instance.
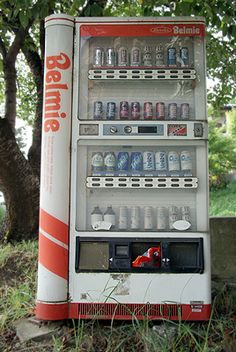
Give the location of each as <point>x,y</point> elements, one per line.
<point>147,129</point>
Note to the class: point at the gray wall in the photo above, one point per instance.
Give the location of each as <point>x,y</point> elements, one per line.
<point>223,248</point>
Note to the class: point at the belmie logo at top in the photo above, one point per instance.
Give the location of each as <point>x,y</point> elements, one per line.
<point>53,87</point>
<point>186,30</point>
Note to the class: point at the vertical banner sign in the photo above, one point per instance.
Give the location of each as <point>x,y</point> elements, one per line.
<point>52,291</point>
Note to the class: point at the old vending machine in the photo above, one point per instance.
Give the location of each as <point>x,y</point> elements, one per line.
<point>124,182</point>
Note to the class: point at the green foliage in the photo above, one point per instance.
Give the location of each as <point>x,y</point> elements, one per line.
<point>223,201</point>
<point>2,212</point>
<point>222,154</point>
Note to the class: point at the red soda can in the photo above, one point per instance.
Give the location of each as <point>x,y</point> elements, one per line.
<point>124,110</point>
<point>135,110</point>
<point>148,111</point>
<point>160,111</point>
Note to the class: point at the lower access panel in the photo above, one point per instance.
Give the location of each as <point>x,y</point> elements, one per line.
<point>154,278</point>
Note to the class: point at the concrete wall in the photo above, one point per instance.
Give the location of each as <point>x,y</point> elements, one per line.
<point>223,248</point>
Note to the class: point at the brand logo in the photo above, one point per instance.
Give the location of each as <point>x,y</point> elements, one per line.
<point>186,30</point>
<point>53,89</point>
<point>161,29</point>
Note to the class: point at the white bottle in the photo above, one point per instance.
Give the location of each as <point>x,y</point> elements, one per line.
<point>148,218</point>
<point>96,216</point>
<point>135,218</point>
<point>123,218</point>
<point>110,216</point>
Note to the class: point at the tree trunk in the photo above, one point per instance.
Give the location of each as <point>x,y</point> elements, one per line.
<point>20,187</point>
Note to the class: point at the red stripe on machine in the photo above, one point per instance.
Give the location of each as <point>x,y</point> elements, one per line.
<point>53,226</point>
<point>53,257</point>
<point>48,311</point>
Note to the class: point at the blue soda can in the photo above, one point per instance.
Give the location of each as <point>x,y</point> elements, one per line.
<point>111,110</point>
<point>171,57</point>
<point>123,161</point>
<point>136,162</point>
<point>184,56</point>
<point>148,161</point>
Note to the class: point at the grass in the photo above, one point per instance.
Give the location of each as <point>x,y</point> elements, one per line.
<point>223,201</point>
<point>18,266</point>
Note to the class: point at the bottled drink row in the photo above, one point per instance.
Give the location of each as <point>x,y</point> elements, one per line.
<point>141,161</point>
<point>141,218</point>
<point>148,56</point>
<point>132,111</point>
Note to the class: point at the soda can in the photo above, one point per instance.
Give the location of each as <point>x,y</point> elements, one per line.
<point>124,110</point>
<point>184,57</point>
<point>109,161</point>
<point>110,57</point>
<point>171,57</point>
<point>135,56</point>
<point>173,161</point>
<point>123,57</point>
<point>172,111</point>
<point>161,218</point>
<point>148,111</point>
<point>98,57</point>
<point>111,110</point>
<point>98,110</point>
<point>135,218</point>
<point>97,162</point>
<point>148,161</point>
<point>172,219</point>
<point>135,110</point>
<point>161,161</point>
<point>184,111</point>
<point>122,161</point>
<point>147,56</point>
<point>136,161</point>
<point>186,160</point>
<point>148,218</point>
<point>159,59</point>
<point>123,218</point>
<point>160,111</point>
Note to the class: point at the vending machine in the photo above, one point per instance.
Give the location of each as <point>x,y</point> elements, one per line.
<point>124,230</point>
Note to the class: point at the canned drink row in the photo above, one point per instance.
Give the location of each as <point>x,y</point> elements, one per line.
<point>141,218</point>
<point>124,161</point>
<point>147,56</point>
<point>132,111</point>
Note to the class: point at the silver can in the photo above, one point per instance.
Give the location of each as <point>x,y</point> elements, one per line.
<point>172,111</point>
<point>161,161</point>
<point>110,57</point>
<point>173,161</point>
<point>123,56</point>
<point>135,56</point>
<point>148,218</point>
<point>161,218</point>
<point>186,160</point>
<point>184,111</point>
<point>98,110</point>
<point>135,218</point>
<point>148,161</point>
<point>98,58</point>
<point>172,219</point>
<point>147,56</point>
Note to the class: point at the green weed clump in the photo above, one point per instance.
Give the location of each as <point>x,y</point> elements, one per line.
<point>223,201</point>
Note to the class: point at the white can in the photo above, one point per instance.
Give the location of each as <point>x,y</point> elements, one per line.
<point>123,218</point>
<point>135,218</point>
<point>161,218</point>
<point>148,161</point>
<point>161,161</point>
<point>186,160</point>
<point>148,218</point>
<point>173,161</point>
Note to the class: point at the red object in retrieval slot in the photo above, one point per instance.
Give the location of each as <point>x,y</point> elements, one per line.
<point>151,258</point>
